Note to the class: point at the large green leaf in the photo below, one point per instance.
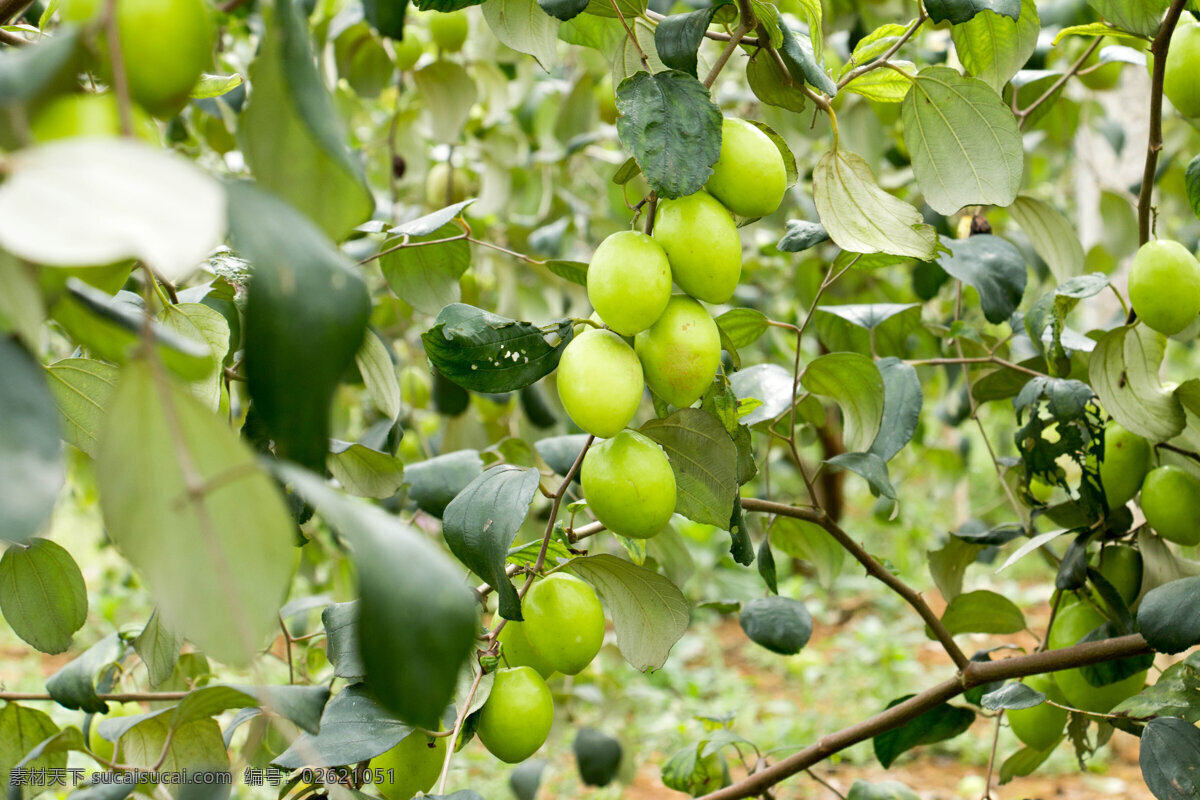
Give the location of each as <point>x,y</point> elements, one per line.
<point>306,315</point>
<point>485,352</point>
<point>81,388</point>
<point>1170,758</point>
<point>22,729</point>
<point>75,684</point>
<point>964,141</point>
<point>158,647</point>
<point>959,11</point>
<point>809,541</point>
<point>627,61</point>
<point>797,52</point>
<point>1051,234</point>
<point>1124,371</point>
<point>450,92</point>
<point>704,460</point>
<point>426,277</point>
<point>902,400</point>
<point>340,621</point>
<point>936,725</point>
<point>993,267</point>
<point>1138,16</point>
<point>1168,616</point>
<point>860,217</point>
<point>993,47</point>
<point>354,727</point>
<point>481,522</point>
<point>195,748</point>
<point>187,504</point>
<point>649,612</point>
<point>525,27</point>
<point>42,594</point>
<point>375,365</point>
<point>852,381</point>
<point>982,612</point>
<point>672,127</point>
<point>291,134</point>
<point>434,482</point>
<point>417,619</point>
<point>679,36</point>
<point>772,84</point>
<point>31,469</point>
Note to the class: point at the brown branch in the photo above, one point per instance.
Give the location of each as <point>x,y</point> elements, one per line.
<point>746,23</point>
<point>873,567</point>
<point>12,9</point>
<point>976,673</point>
<point>1158,49</point>
<point>12,39</point>
<point>112,38</point>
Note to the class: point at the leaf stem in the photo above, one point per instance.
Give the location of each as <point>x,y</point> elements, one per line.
<point>632,37</point>
<point>1023,115</point>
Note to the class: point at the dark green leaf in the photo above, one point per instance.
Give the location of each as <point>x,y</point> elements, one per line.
<point>1176,693</point>
<point>340,621</point>
<point>959,11</point>
<point>870,467</point>
<point>158,647</point>
<point>25,71</point>
<point>936,725</point>
<point>1169,616</point>
<point>780,624</point>
<point>678,37</point>
<point>994,267</point>
<point>772,84</point>
<point>306,314</point>
<point>573,271</point>
<point>1012,695</point>
<point>1192,179</point>
<point>445,5</point>
<point>482,521</point>
<point>402,578</point>
<point>31,469</point>
<point>74,685</point>
<point>704,460</point>
<point>672,127</point>
<point>563,9</point>
<point>740,545</point>
<point>1170,759</point>
<point>902,399</point>
<point>801,235</point>
<point>852,381</point>
<point>597,755</point>
<point>386,17</point>
<point>354,727</point>
<point>485,352</point>
<point>42,594</point>
<point>797,52</point>
<point>433,483</point>
<point>983,612</point>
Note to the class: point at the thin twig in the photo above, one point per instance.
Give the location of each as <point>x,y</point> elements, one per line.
<point>891,51</point>
<point>932,362</point>
<point>632,37</point>
<point>1023,115</point>
<point>458,726</point>
<point>744,27</point>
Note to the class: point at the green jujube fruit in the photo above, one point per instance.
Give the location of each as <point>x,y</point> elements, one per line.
<point>412,766</point>
<point>680,352</point>
<point>1040,727</point>
<point>749,177</point>
<point>518,653</point>
<point>629,485</point>
<point>1164,286</point>
<point>1126,462</point>
<point>600,382</point>
<point>516,718</point>
<point>1171,502</point>
<point>702,244</point>
<point>629,282</point>
<point>1071,625</point>
<point>564,622</point>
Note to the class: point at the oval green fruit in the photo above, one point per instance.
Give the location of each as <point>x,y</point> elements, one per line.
<point>702,244</point>
<point>165,46</point>
<point>446,185</point>
<point>749,177</point>
<point>97,743</point>
<point>1171,502</point>
<point>518,653</point>
<point>680,352</point>
<point>411,766</point>
<point>1126,462</point>
<point>1164,286</point>
<point>1183,65</point>
<point>75,115</point>
<point>449,30</point>
<point>1071,625</point>
<point>600,382</point>
<point>408,51</point>
<point>1121,565</point>
<point>629,485</point>
<point>564,622</point>
<point>516,719</point>
<point>1040,727</point>
<point>415,387</point>
<point>629,282</point>
<point>606,100</point>
<point>1098,76</point>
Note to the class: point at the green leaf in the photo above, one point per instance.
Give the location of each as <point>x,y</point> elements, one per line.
<point>31,468</point>
<point>875,44</point>
<point>481,522</point>
<point>627,61</point>
<point>215,85</point>
<point>649,612</point>
<point>306,314</point>
<point>1124,371</point>
<point>870,467</point>
<point>445,5</point>
<point>1094,29</point>
<point>959,11</point>
<point>772,84</point>
<point>485,352</point>
<point>573,271</point>
<point>426,277</point>
<point>387,19</point>
<point>213,539</point>
<point>1192,179</point>
<point>1051,234</point>
<point>450,93</point>
<point>809,541</point>
<point>74,685</point>
<point>402,580</point>
<point>158,647</point>
<point>936,725</point>
<point>42,594</point>
<point>852,381</point>
<point>291,134</point>
<point>1138,16</point>
<point>882,790</point>
<point>964,141</point>
<point>993,267</point>
<point>1170,758</point>
<point>629,9</point>
<point>563,9</point>
<point>861,217</point>
<point>434,482</point>
<point>22,309</point>
<point>743,326</point>
<point>21,730</point>
<point>1169,616</point>
<point>365,472</point>
<point>948,564</point>
<point>798,56</point>
<point>202,324</point>
<point>982,612</point>
<point>1024,762</point>
<point>704,460</point>
<point>25,71</point>
<point>1015,695</point>
<point>994,47</point>
<point>525,27</point>
<point>780,624</point>
<point>194,748</point>
<point>672,127</point>
<point>769,384</point>
<point>883,85</point>
<point>902,400</point>
<point>801,234</point>
<point>81,388</point>
<point>1174,694</point>
<point>374,363</point>
<point>340,621</point>
<point>678,38</point>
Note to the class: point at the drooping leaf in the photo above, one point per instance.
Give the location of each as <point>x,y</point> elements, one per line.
<point>704,460</point>
<point>678,37</point>
<point>1170,758</point>
<point>902,400</point>
<point>1015,695</point>
<point>158,647</point>
<point>74,685</point>
<point>801,234</point>
<point>773,84</point>
<point>964,141</point>
<point>648,612</point>
<point>993,47</point>
<point>672,127</point>
<point>31,469</point>
<point>306,315</point>
<point>292,135</point>
<point>1172,695</point>
<point>485,352</point>
<point>426,277</point>
<point>870,467</point>
<point>801,60</point>
<point>993,267</point>
<point>525,27</point>
<point>860,217</point>
<point>959,11</point>
<point>481,522</point>
<point>852,381</point>
<point>1137,16</point>
<point>340,621</point>
<point>1124,371</point>
<point>379,375</point>
<point>809,541</point>
<point>42,594</point>
<point>1051,234</point>
<point>118,197</point>
<point>434,482</point>
<point>936,725</point>
<point>780,624</point>
<point>402,580</point>
<point>187,504</point>
<point>983,611</point>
